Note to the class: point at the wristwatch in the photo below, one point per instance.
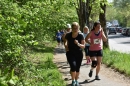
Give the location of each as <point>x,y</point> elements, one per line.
<point>78,44</point>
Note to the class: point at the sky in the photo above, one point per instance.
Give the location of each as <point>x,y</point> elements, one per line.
<point>109,0</point>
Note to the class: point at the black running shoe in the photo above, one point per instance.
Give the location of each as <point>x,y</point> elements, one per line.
<point>97,78</point>
<point>90,73</point>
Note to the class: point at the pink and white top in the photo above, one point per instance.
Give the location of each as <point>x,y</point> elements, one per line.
<point>96,41</point>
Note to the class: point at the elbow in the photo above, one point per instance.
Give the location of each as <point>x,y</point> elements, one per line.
<point>105,40</point>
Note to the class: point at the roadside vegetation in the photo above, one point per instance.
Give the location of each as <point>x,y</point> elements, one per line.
<point>117,60</point>
<point>25,25</point>
<point>39,69</point>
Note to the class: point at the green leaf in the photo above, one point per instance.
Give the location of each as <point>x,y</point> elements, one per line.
<point>11,82</point>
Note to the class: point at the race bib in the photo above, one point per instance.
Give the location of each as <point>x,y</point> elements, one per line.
<point>97,41</point>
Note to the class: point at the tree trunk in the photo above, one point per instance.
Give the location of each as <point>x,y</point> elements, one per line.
<point>102,18</point>
<point>81,15</point>
<point>88,12</point>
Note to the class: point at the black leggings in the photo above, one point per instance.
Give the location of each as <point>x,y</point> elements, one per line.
<point>75,59</point>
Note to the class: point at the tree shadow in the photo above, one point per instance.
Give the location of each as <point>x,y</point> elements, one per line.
<point>42,48</point>
<point>117,36</point>
<point>59,50</point>
<point>84,82</point>
<point>63,65</point>
<point>124,43</point>
<point>87,81</point>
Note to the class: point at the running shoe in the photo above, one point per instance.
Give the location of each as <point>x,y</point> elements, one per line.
<point>77,83</point>
<point>73,83</point>
<point>97,78</point>
<point>88,62</point>
<point>90,73</point>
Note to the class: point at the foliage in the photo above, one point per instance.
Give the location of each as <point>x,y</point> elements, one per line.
<point>39,69</point>
<point>26,23</point>
<point>119,10</point>
<point>117,60</point>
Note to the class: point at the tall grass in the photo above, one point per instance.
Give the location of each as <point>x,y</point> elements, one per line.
<point>117,60</point>
<point>39,69</point>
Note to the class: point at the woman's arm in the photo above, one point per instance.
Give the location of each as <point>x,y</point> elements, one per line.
<point>81,45</point>
<point>87,38</point>
<point>103,36</point>
<point>65,43</point>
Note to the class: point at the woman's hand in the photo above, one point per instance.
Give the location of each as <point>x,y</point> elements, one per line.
<point>66,48</point>
<point>76,42</point>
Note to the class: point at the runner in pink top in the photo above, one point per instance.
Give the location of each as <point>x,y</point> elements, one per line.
<point>96,41</point>
<point>96,37</point>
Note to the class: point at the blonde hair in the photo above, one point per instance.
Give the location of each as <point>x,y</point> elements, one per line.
<point>86,27</point>
<point>75,24</point>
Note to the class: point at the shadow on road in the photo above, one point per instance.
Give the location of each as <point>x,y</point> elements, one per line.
<point>87,81</point>
<point>124,43</point>
<point>117,36</point>
<point>59,50</point>
<point>84,82</point>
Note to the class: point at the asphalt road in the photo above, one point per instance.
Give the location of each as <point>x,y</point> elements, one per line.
<point>120,39</point>
<point>119,42</point>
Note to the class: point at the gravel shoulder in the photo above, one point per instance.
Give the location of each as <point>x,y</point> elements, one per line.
<point>109,77</point>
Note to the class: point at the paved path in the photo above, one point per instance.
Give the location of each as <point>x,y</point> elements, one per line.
<point>109,77</point>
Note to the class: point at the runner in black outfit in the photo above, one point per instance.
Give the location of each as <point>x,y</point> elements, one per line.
<point>74,44</point>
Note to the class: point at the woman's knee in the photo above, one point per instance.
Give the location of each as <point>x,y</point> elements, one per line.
<point>98,63</point>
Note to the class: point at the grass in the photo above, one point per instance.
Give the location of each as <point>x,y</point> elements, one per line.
<point>117,60</point>
<point>39,69</point>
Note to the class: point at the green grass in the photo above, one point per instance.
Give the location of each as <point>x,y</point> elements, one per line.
<point>39,69</point>
<point>117,60</point>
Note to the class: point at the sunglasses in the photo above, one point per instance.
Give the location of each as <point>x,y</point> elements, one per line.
<point>75,28</point>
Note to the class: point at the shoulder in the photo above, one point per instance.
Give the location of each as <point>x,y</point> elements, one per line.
<point>91,32</point>
<point>67,34</point>
<point>80,33</point>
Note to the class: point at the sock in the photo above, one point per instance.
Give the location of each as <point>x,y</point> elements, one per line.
<point>91,69</point>
<point>73,80</point>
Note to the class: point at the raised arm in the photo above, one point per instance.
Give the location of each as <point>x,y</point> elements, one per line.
<point>103,36</point>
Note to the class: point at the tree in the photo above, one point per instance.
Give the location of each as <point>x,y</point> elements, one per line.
<point>122,8</point>
<point>102,19</point>
<point>84,11</point>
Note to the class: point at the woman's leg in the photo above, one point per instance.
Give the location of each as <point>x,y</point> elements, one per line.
<point>79,58</point>
<point>73,75</point>
<point>71,61</point>
<point>93,59</point>
<point>77,76</point>
<point>99,60</point>
<point>87,54</point>
<point>72,67</point>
